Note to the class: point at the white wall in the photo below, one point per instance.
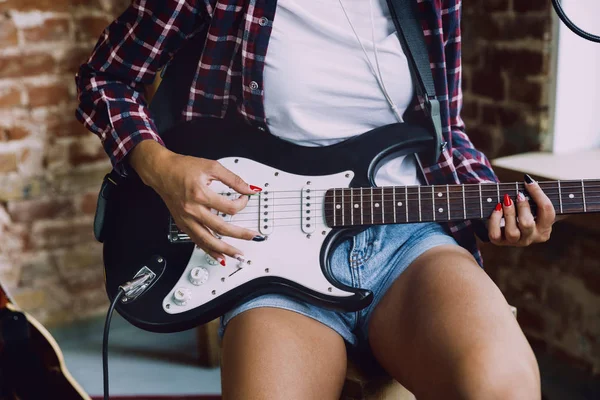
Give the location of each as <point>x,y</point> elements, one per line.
<point>577,106</point>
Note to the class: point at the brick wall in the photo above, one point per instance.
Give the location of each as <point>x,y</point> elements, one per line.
<point>556,285</point>
<point>50,166</point>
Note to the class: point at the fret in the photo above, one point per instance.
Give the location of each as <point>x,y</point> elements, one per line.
<point>412,204</point>
<point>377,217</point>
<point>464,202</point>
<point>406,201</point>
<point>498,191</point>
<point>394,201</point>
<point>560,197</point>
<point>472,200</point>
<point>440,207</point>
<point>337,208</point>
<point>371,190</point>
<point>488,201</point>
<point>419,201</point>
<point>583,196</point>
<point>355,204</point>
<point>351,206</point>
<point>426,202</point>
<point>455,212</point>
<point>365,205</point>
<point>382,207</point>
<point>433,201</point>
<point>480,202</point>
<point>389,208</point>
<point>448,201</point>
<point>572,197</point>
<point>400,205</point>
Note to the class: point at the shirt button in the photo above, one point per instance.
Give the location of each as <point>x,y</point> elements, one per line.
<point>253,85</point>
<point>263,21</point>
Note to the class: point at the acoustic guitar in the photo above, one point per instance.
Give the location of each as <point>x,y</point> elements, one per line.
<point>32,366</point>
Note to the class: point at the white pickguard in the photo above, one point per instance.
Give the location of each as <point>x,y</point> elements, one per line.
<point>289,251</point>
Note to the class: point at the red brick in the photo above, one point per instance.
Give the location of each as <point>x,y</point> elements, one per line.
<point>31,5</point>
<point>13,133</point>
<point>66,125</point>
<point>470,110</point>
<point>517,62</point>
<point>530,320</point>
<point>496,5</point>
<point>8,32</point>
<point>50,30</point>
<point>88,203</point>
<point>10,97</point>
<point>38,209</point>
<point>72,59</point>
<point>489,83</point>
<point>483,138</point>
<point>526,92</point>
<point>79,154</point>
<point>8,162</point>
<point>51,94</point>
<point>25,65</point>
<point>521,6</point>
<point>90,28</point>
<point>501,116</point>
<point>61,234</point>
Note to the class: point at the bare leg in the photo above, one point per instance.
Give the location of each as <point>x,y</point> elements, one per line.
<point>270,353</point>
<point>445,331</point>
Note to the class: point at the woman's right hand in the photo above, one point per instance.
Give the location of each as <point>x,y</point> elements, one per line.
<point>183,184</point>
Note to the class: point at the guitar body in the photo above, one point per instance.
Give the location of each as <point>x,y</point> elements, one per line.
<point>31,363</point>
<point>190,288</point>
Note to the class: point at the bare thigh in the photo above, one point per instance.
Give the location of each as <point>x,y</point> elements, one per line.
<point>444,330</point>
<point>271,353</point>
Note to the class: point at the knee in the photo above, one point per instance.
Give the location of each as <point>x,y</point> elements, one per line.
<point>502,376</point>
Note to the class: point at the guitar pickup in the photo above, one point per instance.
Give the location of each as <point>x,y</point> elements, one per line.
<point>266,212</point>
<point>309,210</point>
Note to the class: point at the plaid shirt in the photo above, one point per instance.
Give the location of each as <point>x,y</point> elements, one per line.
<point>147,35</point>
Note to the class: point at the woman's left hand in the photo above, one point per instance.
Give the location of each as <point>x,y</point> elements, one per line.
<point>521,228</point>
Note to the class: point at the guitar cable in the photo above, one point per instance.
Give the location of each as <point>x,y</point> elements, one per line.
<point>124,290</point>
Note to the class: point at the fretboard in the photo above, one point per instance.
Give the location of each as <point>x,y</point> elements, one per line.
<point>402,204</point>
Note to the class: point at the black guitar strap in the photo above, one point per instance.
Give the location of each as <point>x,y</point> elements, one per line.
<point>410,33</point>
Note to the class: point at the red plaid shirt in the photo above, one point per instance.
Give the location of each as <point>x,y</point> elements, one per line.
<point>147,35</point>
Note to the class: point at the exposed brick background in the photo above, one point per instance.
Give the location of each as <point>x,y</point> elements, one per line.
<point>556,285</point>
<point>51,167</point>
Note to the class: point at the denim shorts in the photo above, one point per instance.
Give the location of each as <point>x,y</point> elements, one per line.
<point>372,260</point>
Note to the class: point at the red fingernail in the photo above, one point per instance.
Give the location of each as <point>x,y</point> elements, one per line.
<point>507,200</point>
<point>498,207</point>
<point>255,188</point>
<point>222,261</point>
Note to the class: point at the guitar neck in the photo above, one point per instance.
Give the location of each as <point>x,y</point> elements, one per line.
<point>444,203</point>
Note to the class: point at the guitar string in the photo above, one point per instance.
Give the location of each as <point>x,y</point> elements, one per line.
<point>282,208</point>
<point>576,183</point>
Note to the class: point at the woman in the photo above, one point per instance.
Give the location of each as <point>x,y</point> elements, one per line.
<point>334,69</point>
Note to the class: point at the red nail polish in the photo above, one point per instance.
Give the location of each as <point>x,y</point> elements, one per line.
<point>498,207</point>
<point>255,188</point>
<point>507,201</point>
<point>222,261</point>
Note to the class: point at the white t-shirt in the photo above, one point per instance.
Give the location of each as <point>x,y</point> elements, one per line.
<point>319,89</point>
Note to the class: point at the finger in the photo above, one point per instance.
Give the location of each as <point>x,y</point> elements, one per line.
<point>219,226</point>
<point>525,220</point>
<point>511,230</point>
<point>545,208</point>
<point>494,229</point>
<point>225,204</point>
<point>206,241</point>
<point>233,181</point>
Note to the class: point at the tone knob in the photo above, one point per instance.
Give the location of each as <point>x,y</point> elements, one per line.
<point>198,276</point>
<point>210,260</point>
<point>181,296</point>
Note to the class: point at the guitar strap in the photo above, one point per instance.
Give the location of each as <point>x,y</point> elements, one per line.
<point>412,39</point>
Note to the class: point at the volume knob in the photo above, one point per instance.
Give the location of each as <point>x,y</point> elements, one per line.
<point>210,260</point>
<point>198,276</point>
<point>181,296</point>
